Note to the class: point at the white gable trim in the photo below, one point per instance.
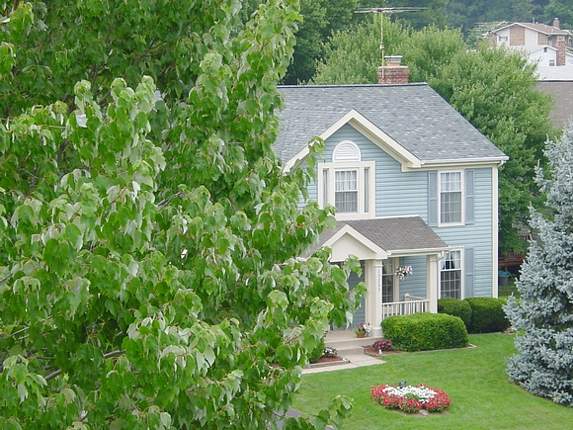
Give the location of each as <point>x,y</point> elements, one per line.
<point>379,252</point>
<point>364,126</point>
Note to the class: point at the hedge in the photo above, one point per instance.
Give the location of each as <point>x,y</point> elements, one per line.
<point>457,308</point>
<point>422,332</point>
<point>487,315</point>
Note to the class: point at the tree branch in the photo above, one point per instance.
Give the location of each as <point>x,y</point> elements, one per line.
<point>168,199</point>
<point>58,372</point>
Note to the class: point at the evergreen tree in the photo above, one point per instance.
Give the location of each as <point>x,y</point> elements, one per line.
<point>543,315</point>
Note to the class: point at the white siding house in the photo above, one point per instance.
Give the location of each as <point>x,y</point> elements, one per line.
<point>547,46</point>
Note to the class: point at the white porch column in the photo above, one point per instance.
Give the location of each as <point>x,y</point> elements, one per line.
<point>375,297</point>
<point>432,273</point>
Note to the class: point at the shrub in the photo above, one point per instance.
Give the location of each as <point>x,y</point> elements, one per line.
<point>382,345</point>
<point>318,352</point>
<point>425,331</point>
<point>457,308</point>
<point>487,315</point>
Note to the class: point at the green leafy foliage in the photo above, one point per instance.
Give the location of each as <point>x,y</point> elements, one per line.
<point>149,238</point>
<point>422,332</point>
<point>320,19</point>
<point>562,9</point>
<point>487,315</point>
<point>458,308</point>
<point>493,89</point>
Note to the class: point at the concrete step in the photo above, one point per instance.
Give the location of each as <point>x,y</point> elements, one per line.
<point>351,344</point>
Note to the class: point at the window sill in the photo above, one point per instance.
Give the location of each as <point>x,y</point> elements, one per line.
<point>457,224</point>
<point>353,216</point>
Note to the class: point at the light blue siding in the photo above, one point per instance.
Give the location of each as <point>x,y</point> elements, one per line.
<point>397,193</point>
<point>406,193</point>
<point>415,284</point>
<point>477,236</point>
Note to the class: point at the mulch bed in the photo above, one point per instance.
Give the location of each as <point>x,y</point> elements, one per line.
<point>368,350</point>
<point>328,361</point>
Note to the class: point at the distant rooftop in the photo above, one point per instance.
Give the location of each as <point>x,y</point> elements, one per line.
<point>541,28</point>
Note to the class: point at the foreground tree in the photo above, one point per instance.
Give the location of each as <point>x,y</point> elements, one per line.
<point>543,314</point>
<point>320,18</point>
<point>493,89</point>
<point>148,237</point>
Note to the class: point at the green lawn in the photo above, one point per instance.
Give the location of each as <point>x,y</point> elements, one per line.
<point>482,396</point>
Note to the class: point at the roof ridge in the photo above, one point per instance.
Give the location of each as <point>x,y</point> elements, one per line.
<point>410,84</point>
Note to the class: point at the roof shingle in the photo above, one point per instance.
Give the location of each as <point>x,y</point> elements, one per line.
<point>390,234</point>
<point>412,114</point>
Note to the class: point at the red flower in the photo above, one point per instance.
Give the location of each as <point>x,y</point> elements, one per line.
<point>438,403</point>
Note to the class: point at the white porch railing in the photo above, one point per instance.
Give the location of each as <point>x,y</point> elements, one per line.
<point>411,305</point>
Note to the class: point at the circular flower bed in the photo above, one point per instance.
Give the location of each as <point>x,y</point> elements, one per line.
<point>411,398</point>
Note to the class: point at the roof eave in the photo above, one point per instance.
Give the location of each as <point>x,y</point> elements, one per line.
<point>366,127</point>
<point>415,252</point>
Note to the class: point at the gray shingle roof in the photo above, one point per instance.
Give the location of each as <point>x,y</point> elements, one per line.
<point>413,114</point>
<point>390,234</point>
<point>562,94</point>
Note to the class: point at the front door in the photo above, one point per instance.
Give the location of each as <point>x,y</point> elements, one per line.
<point>359,314</point>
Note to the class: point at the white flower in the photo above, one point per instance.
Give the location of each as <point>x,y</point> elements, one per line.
<point>423,394</point>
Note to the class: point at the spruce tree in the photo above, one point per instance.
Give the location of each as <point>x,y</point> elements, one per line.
<point>543,313</point>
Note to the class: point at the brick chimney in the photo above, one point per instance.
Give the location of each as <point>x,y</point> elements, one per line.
<point>561,46</point>
<point>556,23</point>
<point>393,72</point>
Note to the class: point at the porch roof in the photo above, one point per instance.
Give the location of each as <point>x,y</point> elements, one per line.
<point>396,236</point>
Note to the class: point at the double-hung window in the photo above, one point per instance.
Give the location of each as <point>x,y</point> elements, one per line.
<point>346,191</point>
<point>451,198</point>
<point>347,183</point>
<point>451,275</point>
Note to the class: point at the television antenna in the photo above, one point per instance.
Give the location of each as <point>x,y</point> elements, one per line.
<point>387,11</point>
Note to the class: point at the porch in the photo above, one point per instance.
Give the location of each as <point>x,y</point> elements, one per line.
<point>388,294</point>
<point>388,248</point>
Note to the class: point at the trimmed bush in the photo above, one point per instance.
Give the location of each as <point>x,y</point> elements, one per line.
<point>422,332</point>
<point>487,315</point>
<point>457,308</point>
<point>317,352</point>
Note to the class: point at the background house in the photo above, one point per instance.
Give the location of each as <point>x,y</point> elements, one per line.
<point>547,46</point>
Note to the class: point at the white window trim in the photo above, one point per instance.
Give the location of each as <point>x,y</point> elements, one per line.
<point>360,166</point>
<point>462,275</point>
<point>463,189</point>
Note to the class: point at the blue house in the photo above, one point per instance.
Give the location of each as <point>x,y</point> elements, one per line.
<point>415,187</point>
